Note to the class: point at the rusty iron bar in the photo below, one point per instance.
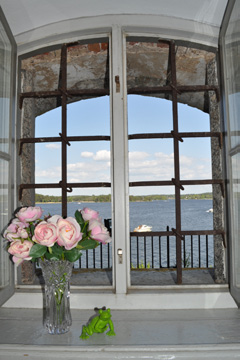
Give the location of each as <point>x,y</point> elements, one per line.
<point>108,138</point>
<point>170,182</point>
<point>171,87</point>
<point>58,93</point>
<point>59,186</point>
<point>175,92</point>
<point>63,139</point>
<point>63,81</point>
<point>102,92</point>
<point>182,233</point>
<point>59,139</point>
<point>177,183</point>
<point>170,135</point>
<point>176,136</point>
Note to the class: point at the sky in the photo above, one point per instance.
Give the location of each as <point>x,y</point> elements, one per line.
<point>148,159</point>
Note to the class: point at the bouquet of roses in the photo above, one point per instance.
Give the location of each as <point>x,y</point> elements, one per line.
<point>53,238</point>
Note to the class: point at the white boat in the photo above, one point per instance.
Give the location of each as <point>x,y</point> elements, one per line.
<point>143,228</point>
<point>210,210</point>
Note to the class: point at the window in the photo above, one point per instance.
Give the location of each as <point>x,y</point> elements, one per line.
<point>72,142</point>
<point>230,46</point>
<point>160,70</point>
<point>7,53</point>
<point>89,75</point>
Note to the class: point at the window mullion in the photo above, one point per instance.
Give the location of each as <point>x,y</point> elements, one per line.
<point>120,163</point>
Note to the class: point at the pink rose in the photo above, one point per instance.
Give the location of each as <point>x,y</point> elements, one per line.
<point>45,233</point>
<point>69,233</point>
<point>99,232</point>
<point>29,213</point>
<point>89,214</point>
<point>20,250</point>
<point>15,231</point>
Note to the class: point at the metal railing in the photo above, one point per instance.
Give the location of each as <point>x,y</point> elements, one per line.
<point>155,252</point>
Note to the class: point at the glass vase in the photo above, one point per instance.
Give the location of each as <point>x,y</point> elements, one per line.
<point>57,295</point>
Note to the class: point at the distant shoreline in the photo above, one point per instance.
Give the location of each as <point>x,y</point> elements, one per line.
<point>99,202</point>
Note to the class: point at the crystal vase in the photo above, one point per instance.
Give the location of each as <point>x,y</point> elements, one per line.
<point>57,275</point>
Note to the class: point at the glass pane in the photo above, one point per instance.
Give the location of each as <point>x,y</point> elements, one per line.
<point>89,162</point>
<point>5,81</point>
<point>89,117</point>
<point>232,69</point>
<point>49,123</point>
<point>151,159</point>
<point>192,120</point>
<point>151,256</point>
<point>48,162</point>
<point>148,114</point>
<point>195,159</point>
<point>153,207</point>
<point>197,208</point>
<point>236,215</point>
<point>4,219</point>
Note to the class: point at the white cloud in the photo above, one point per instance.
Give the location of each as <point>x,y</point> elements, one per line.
<point>137,155</point>
<point>52,173</point>
<point>143,166</point>
<point>53,146</point>
<point>87,154</point>
<point>102,155</point>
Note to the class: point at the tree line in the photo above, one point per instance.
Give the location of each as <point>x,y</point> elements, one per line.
<point>39,198</point>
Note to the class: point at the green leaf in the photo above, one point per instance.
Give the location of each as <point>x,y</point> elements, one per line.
<point>49,256</point>
<point>72,255</point>
<point>37,250</point>
<point>87,244</point>
<point>57,250</point>
<point>79,218</point>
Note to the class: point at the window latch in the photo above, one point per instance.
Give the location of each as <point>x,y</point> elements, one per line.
<point>117,81</point>
<point>120,256</point>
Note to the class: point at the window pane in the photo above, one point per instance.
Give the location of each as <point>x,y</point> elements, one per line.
<point>89,161</point>
<point>89,117</point>
<point>152,206</point>
<point>49,123</point>
<point>192,120</point>
<point>232,75</point>
<point>148,114</point>
<point>4,219</point>
<point>5,79</point>
<point>236,215</point>
<point>195,159</point>
<point>197,208</point>
<point>48,162</point>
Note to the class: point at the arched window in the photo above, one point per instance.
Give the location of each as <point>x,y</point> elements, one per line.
<point>115,76</point>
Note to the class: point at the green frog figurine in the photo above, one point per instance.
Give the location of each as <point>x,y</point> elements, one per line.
<point>99,324</point>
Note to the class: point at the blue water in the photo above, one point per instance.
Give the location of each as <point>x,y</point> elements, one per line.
<point>159,215</point>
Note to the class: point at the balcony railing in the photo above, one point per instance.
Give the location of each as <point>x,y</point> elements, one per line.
<point>149,251</point>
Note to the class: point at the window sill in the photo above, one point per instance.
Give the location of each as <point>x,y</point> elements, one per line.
<point>173,334</point>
